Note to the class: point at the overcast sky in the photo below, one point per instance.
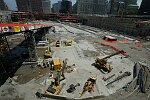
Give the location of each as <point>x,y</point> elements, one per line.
<point>12,4</point>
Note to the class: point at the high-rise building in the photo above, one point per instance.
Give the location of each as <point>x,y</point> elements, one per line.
<point>56,7</point>
<point>66,6</point>
<point>144,8</point>
<point>23,5</point>
<point>34,5</point>
<point>3,5</point>
<point>74,8</point>
<point>91,7</point>
<point>117,5</point>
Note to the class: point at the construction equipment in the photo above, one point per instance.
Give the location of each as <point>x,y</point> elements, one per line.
<point>56,64</point>
<point>125,74</point>
<point>72,88</point>
<point>68,43</point>
<point>48,53</point>
<point>105,79</point>
<point>58,43</point>
<point>89,85</point>
<point>102,63</point>
<point>54,88</point>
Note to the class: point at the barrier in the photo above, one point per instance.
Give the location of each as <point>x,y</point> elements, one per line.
<point>113,47</point>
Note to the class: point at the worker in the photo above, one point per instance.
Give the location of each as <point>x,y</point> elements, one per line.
<point>51,75</point>
<point>55,82</point>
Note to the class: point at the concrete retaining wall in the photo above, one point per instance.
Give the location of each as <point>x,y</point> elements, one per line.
<point>129,26</point>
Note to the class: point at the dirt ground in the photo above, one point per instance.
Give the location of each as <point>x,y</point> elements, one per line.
<point>27,73</point>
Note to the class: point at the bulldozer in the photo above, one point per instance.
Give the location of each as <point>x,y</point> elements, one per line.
<point>102,64</point>
<point>68,42</point>
<point>58,43</point>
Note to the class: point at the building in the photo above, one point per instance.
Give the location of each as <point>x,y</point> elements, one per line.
<point>34,5</point>
<point>66,6</point>
<point>74,8</point>
<point>91,7</point>
<point>23,5</point>
<point>3,5</point>
<point>144,8</point>
<point>117,6</point>
<point>56,7</point>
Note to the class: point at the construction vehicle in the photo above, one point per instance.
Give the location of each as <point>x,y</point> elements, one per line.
<point>48,53</point>
<point>55,88</point>
<point>58,43</point>
<point>68,43</point>
<point>72,88</point>
<point>102,64</point>
<point>89,85</point>
<point>56,64</point>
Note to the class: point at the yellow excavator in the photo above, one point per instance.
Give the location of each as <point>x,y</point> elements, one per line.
<point>89,85</point>
<point>55,87</point>
<point>48,53</point>
<point>102,63</point>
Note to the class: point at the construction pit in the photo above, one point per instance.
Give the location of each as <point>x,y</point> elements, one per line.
<point>86,47</point>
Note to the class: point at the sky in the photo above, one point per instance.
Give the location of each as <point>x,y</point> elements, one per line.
<point>12,4</point>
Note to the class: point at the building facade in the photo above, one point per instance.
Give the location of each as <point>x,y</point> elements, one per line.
<point>56,7</point>
<point>66,6</point>
<point>119,5</point>
<point>91,7</point>
<point>23,5</point>
<point>34,5</point>
<point>3,5</point>
<point>144,8</point>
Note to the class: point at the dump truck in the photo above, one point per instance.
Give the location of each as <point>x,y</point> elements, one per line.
<point>68,42</point>
<point>102,64</point>
<point>58,43</point>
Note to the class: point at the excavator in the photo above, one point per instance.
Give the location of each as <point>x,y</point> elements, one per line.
<point>54,89</point>
<point>102,64</point>
<point>89,85</point>
<point>48,53</point>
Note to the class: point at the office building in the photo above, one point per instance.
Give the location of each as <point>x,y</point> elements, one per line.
<point>91,7</point>
<point>144,8</point>
<point>56,7</point>
<point>3,5</point>
<point>66,6</point>
<point>34,5</point>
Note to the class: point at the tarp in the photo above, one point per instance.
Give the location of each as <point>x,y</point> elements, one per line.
<point>11,29</point>
<point>10,24</point>
<point>0,29</point>
<point>16,28</point>
<point>113,47</point>
<point>5,29</point>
